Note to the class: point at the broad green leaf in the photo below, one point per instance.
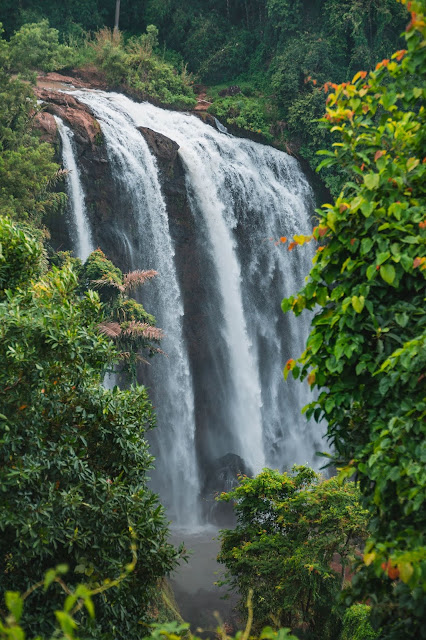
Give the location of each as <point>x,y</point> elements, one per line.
<point>358,303</point>
<point>406,570</point>
<point>371,271</point>
<point>371,181</point>
<point>331,219</point>
<point>366,245</point>
<point>14,603</point>
<point>49,577</point>
<point>322,295</point>
<point>382,257</point>
<point>286,304</point>
<point>402,319</point>
<point>387,272</point>
<point>367,208</point>
<point>315,341</point>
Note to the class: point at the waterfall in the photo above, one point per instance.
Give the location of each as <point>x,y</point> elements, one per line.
<point>244,196</point>
<point>136,173</point>
<point>82,237</point>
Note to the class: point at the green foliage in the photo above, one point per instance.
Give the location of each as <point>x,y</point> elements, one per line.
<point>27,170</point>
<point>79,597</point>
<point>135,64</point>
<point>366,350</point>
<point>20,258</point>
<point>36,46</point>
<point>246,113</point>
<point>74,457</point>
<point>285,50</point>
<point>82,596</point>
<point>289,529</point>
<point>356,624</point>
<point>126,322</point>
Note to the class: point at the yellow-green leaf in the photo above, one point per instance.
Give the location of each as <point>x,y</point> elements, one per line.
<point>372,180</point>
<point>369,557</point>
<point>412,163</point>
<point>388,273</point>
<point>405,571</point>
<point>358,303</point>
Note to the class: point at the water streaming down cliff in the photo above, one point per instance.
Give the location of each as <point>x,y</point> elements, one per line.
<point>149,245</point>
<point>80,229</point>
<point>227,396</point>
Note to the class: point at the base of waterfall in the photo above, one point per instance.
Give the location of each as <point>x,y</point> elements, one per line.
<point>201,602</point>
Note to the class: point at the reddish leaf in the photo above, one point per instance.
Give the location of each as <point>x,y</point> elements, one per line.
<point>378,155</point>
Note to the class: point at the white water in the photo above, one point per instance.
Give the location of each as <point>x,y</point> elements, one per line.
<point>244,196</point>
<point>135,170</point>
<point>82,239</point>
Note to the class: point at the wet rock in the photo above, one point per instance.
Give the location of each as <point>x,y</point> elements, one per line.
<point>162,147</point>
<point>222,476</point>
<point>74,113</point>
<point>45,123</point>
<point>46,79</point>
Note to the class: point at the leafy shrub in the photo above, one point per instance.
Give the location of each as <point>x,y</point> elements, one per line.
<point>27,170</point>
<point>367,349</point>
<point>135,64</point>
<point>36,46</point>
<point>356,624</point>
<point>81,597</point>
<point>247,114</point>
<point>74,458</point>
<point>289,528</point>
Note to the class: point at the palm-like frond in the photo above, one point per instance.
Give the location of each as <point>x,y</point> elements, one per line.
<point>110,329</point>
<point>135,278</point>
<point>107,282</point>
<point>135,329</point>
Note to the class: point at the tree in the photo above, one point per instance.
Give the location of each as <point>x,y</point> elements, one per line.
<point>366,351</point>
<point>74,458</point>
<point>290,527</point>
<point>117,16</point>
<point>27,170</point>
<point>125,322</point>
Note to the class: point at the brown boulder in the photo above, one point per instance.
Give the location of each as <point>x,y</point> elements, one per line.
<point>49,80</point>
<point>161,146</point>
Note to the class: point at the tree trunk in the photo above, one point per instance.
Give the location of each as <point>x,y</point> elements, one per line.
<point>117,16</point>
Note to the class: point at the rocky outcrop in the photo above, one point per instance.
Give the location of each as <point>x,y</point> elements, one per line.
<point>90,77</point>
<point>222,475</point>
<point>45,123</point>
<point>76,114</point>
<point>101,198</point>
<point>164,149</point>
<point>230,91</point>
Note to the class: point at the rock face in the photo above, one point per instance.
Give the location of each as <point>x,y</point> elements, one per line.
<point>101,197</point>
<point>162,147</point>
<point>77,115</point>
<point>45,123</point>
<point>222,475</point>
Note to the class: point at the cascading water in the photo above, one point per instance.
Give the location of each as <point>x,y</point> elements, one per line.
<point>136,173</point>
<point>81,234</point>
<point>243,197</point>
